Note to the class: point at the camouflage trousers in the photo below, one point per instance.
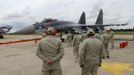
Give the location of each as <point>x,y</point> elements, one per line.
<point>52,72</point>
<point>76,51</point>
<point>89,68</point>
<point>54,69</point>
<point>69,43</point>
<point>106,52</point>
<point>112,44</point>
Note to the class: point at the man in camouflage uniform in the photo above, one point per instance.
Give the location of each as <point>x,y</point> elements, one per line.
<point>69,39</point>
<point>112,39</point>
<point>76,42</point>
<point>133,33</point>
<point>90,54</point>
<point>50,51</point>
<point>97,35</point>
<point>44,35</point>
<point>58,35</point>
<point>84,36</point>
<point>106,39</point>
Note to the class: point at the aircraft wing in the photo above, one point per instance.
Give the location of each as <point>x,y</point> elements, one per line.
<point>81,27</point>
<point>124,24</point>
<point>105,25</point>
<point>98,25</point>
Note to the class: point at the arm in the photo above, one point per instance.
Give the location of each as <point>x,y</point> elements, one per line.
<point>103,39</point>
<point>73,40</point>
<point>60,53</point>
<point>67,37</point>
<point>39,53</point>
<point>82,37</point>
<point>82,50</point>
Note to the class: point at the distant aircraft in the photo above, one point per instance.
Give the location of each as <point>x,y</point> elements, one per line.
<point>65,26</point>
<point>4,29</point>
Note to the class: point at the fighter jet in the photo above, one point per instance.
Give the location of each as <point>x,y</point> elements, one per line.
<point>65,26</point>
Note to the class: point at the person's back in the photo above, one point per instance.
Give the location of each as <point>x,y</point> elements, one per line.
<point>106,38</point>
<point>90,54</point>
<point>76,40</point>
<point>50,51</point>
<point>70,39</point>
<point>98,36</point>
<point>93,49</point>
<point>84,36</point>
<point>50,46</point>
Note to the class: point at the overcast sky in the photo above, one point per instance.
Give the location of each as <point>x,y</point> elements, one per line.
<point>20,13</point>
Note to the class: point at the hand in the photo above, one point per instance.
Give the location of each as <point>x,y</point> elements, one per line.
<point>49,61</point>
<point>99,65</point>
<point>81,66</point>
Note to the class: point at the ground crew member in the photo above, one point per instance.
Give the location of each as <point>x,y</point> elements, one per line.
<point>90,54</point>
<point>44,35</point>
<point>58,35</point>
<point>97,35</point>
<point>76,42</point>
<point>106,39</point>
<point>112,39</point>
<point>50,50</point>
<point>133,33</point>
<point>69,39</point>
<point>84,36</point>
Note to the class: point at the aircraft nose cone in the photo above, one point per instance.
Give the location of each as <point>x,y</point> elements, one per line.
<point>26,30</point>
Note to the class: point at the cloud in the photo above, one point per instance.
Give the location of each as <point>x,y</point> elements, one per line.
<point>25,12</point>
<point>13,16</point>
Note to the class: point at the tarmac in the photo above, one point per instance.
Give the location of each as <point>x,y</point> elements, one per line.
<point>21,59</point>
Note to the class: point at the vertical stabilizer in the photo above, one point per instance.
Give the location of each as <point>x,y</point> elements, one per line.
<point>99,21</point>
<point>100,18</point>
<point>82,19</point>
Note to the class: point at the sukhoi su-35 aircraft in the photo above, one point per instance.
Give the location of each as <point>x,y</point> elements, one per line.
<point>65,26</point>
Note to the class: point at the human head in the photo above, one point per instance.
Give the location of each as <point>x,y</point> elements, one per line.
<point>51,31</point>
<point>108,30</point>
<point>96,30</point>
<point>90,32</point>
<point>111,29</point>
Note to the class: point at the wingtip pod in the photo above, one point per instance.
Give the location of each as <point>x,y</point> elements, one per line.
<point>82,19</point>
